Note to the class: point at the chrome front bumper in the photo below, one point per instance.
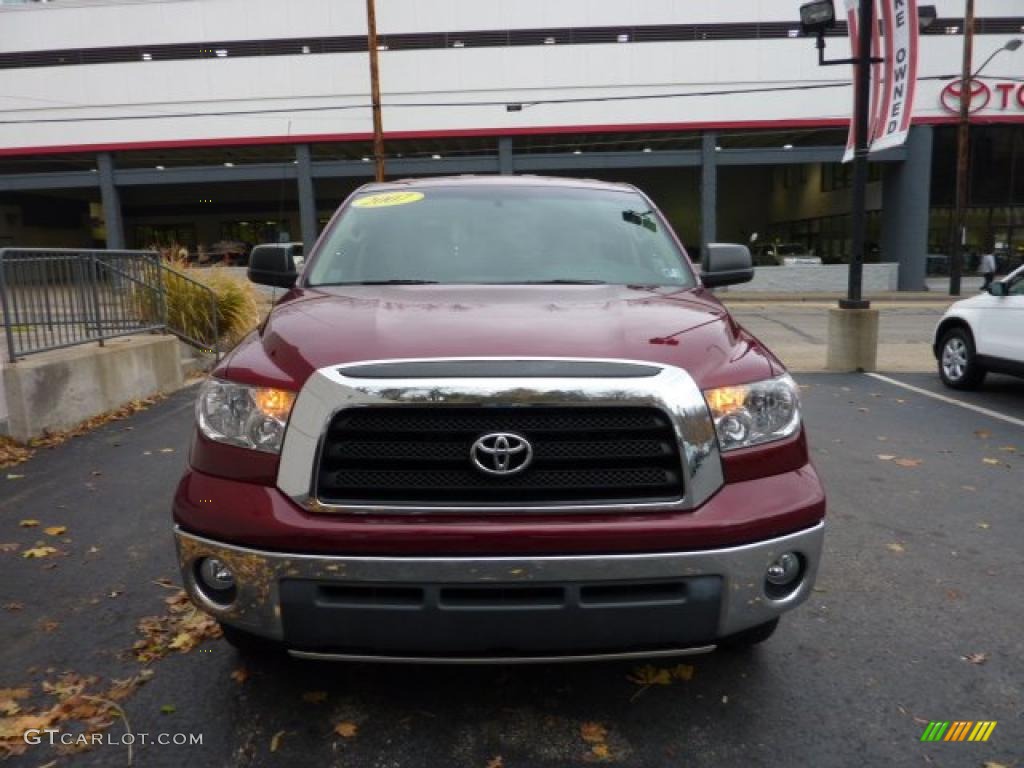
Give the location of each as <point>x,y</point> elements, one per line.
<point>744,602</point>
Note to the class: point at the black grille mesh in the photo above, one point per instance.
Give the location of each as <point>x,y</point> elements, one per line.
<point>581,455</point>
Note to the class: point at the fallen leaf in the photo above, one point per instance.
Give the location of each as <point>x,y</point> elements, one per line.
<point>29,523</point>
<point>314,697</point>
<point>39,552</point>
<point>984,526</point>
<point>1008,449</point>
<point>975,658</point>
<point>48,626</point>
<point>14,477</point>
<point>240,675</point>
<point>593,733</point>
<point>495,762</point>
<point>650,675</point>
<point>908,462</point>
<point>13,606</point>
<point>9,547</point>
<point>183,641</point>
<point>55,530</point>
<point>968,487</point>
<point>894,547</point>
<point>994,764</point>
<point>682,672</point>
<point>275,741</point>
<point>953,594</point>
<point>984,434</point>
<point>168,709</point>
<point>346,729</point>
<point>993,462</point>
<point>601,751</point>
<point>886,456</point>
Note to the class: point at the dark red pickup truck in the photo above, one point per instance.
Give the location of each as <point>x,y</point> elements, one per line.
<point>499,419</point>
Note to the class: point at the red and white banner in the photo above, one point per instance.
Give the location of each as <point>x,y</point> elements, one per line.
<point>852,24</point>
<point>892,95</point>
<point>900,81</point>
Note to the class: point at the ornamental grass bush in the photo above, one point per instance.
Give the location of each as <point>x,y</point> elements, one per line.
<point>190,310</point>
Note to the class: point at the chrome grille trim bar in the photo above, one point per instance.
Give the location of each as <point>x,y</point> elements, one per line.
<point>330,390</point>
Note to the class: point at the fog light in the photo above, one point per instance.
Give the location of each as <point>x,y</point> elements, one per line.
<point>216,575</point>
<point>785,570</point>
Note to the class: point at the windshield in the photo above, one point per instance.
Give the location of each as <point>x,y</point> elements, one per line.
<point>499,234</point>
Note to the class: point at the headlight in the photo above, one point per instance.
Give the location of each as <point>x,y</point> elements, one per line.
<point>754,413</point>
<point>249,417</point>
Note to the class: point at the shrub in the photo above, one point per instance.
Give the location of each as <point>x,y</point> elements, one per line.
<point>190,310</point>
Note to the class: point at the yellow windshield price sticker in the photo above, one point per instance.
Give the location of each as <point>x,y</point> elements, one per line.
<point>388,199</point>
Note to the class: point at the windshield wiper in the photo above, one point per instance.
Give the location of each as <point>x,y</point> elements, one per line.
<point>561,281</point>
<point>389,282</point>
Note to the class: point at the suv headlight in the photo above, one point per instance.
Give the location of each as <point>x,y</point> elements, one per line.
<point>249,417</point>
<point>757,413</point>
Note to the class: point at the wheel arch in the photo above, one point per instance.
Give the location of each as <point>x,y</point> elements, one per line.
<point>944,327</point>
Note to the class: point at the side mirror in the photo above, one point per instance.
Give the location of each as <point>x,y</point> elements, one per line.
<point>726,264</point>
<point>272,265</point>
<point>998,288</point>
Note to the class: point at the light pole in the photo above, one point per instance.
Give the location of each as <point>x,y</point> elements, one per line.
<point>816,18</point>
<point>958,233</point>
<point>378,124</point>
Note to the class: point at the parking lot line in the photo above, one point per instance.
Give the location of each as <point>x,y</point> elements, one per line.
<point>950,400</point>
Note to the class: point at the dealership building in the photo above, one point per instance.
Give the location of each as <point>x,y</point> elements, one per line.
<point>137,123</point>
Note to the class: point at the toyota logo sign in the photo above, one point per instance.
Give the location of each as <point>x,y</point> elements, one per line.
<point>501,453</point>
<point>980,96</point>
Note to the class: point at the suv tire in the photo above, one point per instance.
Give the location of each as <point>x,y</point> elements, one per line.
<point>958,363</point>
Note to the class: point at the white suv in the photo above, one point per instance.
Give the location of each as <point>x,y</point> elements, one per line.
<point>983,333</point>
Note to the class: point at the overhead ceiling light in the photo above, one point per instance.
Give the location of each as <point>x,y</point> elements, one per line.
<point>229,165</point>
<point>147,57</point>
<point>160,168</point>
<point>435,157</point>
<point>787,146</point>
<point>305,49</point>
<point>366,159</point>
<point>549,41</point>
<point>221,53</point>
<point>623,38</point>
<point>718,149</point>
<point>578,152</point>
<point>382,47</point>
<point>953,29</point>
<point>458,44</point>
<point>647,149</point>
<point>793,33</point>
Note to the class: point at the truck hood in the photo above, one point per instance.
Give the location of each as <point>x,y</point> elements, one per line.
<point>312,329</point>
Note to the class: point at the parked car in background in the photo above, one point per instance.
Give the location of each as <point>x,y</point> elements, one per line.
<point>499,419</point>
<point>983,333</point>
<point>783,255</point>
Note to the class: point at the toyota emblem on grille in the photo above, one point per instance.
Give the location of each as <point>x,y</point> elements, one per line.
<point>501,453</point>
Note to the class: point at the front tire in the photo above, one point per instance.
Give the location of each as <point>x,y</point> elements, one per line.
<point>958,362</point>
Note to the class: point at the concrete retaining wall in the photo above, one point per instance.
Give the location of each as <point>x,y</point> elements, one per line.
<point>819,278</point>
<point>57,390</point>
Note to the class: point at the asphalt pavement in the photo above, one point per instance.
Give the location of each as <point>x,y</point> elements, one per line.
<point>917,617</point>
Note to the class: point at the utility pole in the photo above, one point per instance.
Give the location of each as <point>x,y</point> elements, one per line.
<point>958,240</point>
<point>378,124</point>
<point>858,202</point>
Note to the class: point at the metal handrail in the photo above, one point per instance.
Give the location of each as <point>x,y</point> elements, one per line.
<point>57,298</point>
